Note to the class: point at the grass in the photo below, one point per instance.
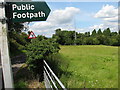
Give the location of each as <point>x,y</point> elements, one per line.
<point>25,79</point>
<point>89,66</point>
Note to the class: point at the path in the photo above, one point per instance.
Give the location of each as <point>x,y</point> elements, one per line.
<point>17,62</point>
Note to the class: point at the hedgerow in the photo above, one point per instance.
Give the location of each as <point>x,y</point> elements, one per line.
<point>37,51</point>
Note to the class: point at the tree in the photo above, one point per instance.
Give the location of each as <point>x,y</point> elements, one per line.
<point>88,41</point>
<point>101,39</point>
<point>64,37</point>
<point>17,40</point>
<point>114,33</point>
<point>119,32</point>
<point>107,32</point>
<point>18,27</point>
<point>118,39</point>
<point>59,35</point>
<point>40,37</point>
<point>87,34</point>
<point>99,32</point>
<point>94,32</point>
<point>106,41</point>
<point>79,41</point>
<point>95,41</point>
<point>114,42</point>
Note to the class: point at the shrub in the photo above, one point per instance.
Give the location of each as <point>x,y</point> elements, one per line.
<point>37,51</point>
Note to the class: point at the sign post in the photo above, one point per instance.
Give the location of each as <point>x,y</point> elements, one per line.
<point>5,59</point>
<point>17,12</point>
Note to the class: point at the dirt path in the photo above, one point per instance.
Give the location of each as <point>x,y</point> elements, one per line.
<point>17,62</point>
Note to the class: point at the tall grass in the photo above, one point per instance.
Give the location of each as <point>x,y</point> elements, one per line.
<point>87,66</point>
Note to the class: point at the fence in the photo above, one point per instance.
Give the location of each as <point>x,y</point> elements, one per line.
<point>51,80</point>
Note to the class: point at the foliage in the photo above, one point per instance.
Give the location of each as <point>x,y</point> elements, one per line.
<point>106,37</point>
<point>18,27</point>
<point>64,37</point>
<point>107,32</point>
<point>17,38</point>
<point>17,42</point>
<point>23,79</point>
<point>94,32</point>
<point>37,51</point>
<point>21,84</point>
<point>99,32</point>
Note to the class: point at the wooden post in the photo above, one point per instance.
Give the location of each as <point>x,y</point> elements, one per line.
<point>5,59</point>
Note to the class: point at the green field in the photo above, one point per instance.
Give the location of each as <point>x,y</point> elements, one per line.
<point>89,66</point>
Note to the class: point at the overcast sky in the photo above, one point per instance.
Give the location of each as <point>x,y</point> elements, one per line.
<point>78,16</point>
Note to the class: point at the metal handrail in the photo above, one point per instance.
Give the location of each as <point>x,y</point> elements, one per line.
<point>56,78</point>
<point>50,78</point>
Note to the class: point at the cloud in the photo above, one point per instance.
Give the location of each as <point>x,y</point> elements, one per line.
<point>112,19</point>
<point>57,19</point>
<point>104,26</point>
<point>113,27</point>
<point>64,16</point>
<point>101,26</point>
<point>108,13</point>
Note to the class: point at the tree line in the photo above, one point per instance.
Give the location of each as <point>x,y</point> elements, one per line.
<point>105,37</point>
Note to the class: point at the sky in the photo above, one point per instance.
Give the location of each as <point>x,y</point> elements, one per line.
<point>78,16</point>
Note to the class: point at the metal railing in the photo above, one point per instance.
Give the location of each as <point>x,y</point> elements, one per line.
<point>51,80</point>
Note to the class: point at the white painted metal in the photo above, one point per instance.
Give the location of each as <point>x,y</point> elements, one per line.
<point>56,78</point>
<point>50,78</point>
<point>5,60</point>
<point>47,82</point>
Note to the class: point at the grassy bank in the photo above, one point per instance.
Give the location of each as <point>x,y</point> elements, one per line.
<point>89,66</point>
<point>25,79</point>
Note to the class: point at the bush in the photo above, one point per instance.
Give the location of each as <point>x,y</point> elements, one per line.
<point>37,51</point>
<point>21,84</point>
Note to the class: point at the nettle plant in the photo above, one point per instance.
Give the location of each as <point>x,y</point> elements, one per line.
<point>37,51</point>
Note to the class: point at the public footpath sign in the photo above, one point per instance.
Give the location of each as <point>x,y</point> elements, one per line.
<point>27,11</point>
<point>16,12</point>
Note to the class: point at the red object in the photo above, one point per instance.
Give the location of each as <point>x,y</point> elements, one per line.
<point>31,35</point>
